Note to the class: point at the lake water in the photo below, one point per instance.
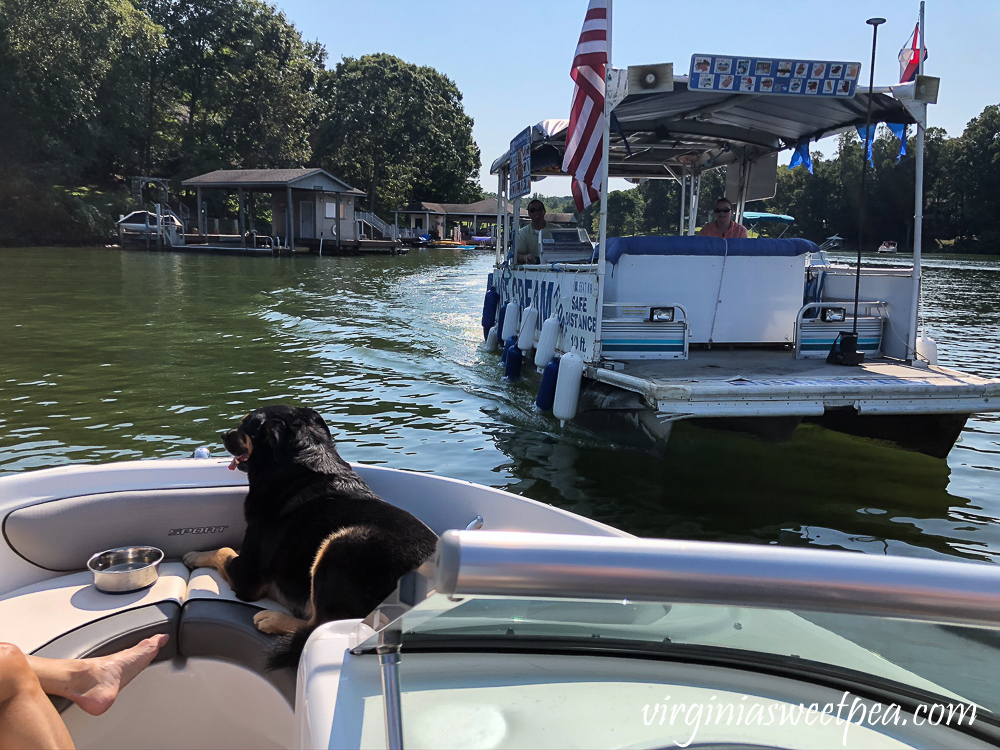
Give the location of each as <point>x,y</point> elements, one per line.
<point>108,355</point>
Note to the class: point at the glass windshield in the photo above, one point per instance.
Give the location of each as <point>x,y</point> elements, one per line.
<point>918,659</point>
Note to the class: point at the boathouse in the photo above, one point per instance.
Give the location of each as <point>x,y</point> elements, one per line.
<point>307,205</point>
<point>473,219</point>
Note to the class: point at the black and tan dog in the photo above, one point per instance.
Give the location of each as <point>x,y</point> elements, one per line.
<point>318,540</point>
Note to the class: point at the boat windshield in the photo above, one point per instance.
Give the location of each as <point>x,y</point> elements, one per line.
<point>915,662</point>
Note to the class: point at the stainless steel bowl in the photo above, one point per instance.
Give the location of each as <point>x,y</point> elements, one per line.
<point>126,568</point>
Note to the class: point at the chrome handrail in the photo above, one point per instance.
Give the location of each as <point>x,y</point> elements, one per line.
<point>495,563</point>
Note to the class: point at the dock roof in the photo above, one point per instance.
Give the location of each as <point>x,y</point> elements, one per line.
<point>301,179</point>
<point>484,207</point>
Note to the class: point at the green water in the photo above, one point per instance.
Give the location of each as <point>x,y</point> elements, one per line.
<point>108,355</point>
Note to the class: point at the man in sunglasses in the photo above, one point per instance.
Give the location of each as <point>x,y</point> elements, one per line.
<point>724,226</point>
<point>526,239</point>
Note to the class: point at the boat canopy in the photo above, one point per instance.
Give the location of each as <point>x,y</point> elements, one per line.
<point>760,217</point>
<point>658,135</point>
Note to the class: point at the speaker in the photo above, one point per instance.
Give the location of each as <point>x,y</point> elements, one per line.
<point>925,88</point>
<point>650,79</point>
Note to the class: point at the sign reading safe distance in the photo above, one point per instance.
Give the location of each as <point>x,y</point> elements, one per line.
<point>520,164</point>
<point>773,75</point>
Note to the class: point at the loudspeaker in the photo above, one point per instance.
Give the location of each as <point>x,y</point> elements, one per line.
<point>925,88</point>
<point>650,79</point>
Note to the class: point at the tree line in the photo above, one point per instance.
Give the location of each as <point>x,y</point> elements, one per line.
<point>961,193</point>
<point>96,91</point>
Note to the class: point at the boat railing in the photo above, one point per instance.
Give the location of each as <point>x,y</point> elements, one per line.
<point>509,564</point>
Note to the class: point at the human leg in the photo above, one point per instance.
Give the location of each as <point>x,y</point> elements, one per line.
<point>27,717</point>
<point>93,684</point>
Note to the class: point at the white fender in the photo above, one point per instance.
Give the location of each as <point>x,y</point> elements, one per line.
<point>526,338</point>
<point>547,342</point>
<point>510,320</point>
<point>926,348</point>
<point>568,386</point>
<point>490,344</point>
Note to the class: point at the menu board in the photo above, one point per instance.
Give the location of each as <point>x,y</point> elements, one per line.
<point>766,75</point>
<point>520,164</point>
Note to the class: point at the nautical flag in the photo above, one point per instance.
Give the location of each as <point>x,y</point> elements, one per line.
<point>870,139</point>
<point>909,56</point>
<point>801,156</point>
<point>584,139</point>
<point>898,130</point>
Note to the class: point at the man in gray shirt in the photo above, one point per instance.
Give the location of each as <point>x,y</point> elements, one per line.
<point>526,239</point>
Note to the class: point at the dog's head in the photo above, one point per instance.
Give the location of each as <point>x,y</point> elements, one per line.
<point>278,437</point>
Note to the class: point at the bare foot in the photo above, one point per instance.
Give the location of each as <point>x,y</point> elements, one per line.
<point>95,686</point>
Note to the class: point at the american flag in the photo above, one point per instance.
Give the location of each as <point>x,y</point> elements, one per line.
<point>909,56</point>
<point>584,147</point>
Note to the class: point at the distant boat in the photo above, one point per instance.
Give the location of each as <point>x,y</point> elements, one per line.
<point>889,246</point>
<point>145,221</point>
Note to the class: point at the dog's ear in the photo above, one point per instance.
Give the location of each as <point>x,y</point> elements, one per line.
<point>273,431</point>
<point>320,422</point>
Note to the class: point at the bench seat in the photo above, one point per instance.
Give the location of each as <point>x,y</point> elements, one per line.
<point>66,617</point>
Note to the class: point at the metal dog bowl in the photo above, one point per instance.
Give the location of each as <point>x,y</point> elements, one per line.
<point>126,568</point>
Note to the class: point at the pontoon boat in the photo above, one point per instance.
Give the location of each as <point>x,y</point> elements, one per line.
<point>734,334</point>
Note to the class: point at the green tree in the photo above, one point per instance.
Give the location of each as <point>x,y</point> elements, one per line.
<point>70,79</point>
<point>397,130</point>
<point>243,81</point>
<point>976,176</point>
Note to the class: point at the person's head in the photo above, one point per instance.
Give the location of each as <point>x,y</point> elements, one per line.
<point>536,212</point>
<point>723,210</point>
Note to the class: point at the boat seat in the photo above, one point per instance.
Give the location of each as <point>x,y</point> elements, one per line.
<point>35,616</point>
<point>214,623</point>
<point>67,618</point>
<point>174,520</point>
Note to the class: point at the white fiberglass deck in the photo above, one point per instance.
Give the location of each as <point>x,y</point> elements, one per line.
<point>753,382</point>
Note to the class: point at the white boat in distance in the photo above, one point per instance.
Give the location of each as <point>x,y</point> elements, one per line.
<point>541,629</point>
<point>733,334</point>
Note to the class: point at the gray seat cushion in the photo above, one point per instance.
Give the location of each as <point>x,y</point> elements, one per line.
<point>114,633</point>
<point>175,520</point>
<point>223,629</point>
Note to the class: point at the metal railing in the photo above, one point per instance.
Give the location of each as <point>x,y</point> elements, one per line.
<point>367,217</point>
<point>495,563</point>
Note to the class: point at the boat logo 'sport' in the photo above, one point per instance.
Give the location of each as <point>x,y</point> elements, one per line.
<point>197,530</point>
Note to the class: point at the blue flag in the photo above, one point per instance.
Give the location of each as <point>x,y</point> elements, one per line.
<point>871,141</point>
<point>801,156</point>
<point>898,130</point>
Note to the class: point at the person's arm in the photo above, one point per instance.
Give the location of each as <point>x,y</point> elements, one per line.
<point>521,252</point>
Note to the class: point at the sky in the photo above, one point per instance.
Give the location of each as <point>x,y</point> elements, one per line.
<point>511,59</point>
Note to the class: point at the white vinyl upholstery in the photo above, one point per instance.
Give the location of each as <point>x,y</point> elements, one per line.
<point>206,583</point>
<point>34,615</point>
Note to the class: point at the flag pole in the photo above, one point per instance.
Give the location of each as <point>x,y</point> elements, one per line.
<point>602,233</point>
<point>918,214</point>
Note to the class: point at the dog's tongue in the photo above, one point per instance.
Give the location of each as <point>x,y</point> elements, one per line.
<point>237,460</point>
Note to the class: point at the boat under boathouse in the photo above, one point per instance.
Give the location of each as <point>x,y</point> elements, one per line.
<point>310,210</point>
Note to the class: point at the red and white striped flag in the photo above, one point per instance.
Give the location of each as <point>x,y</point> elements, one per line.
<point>584,147</point>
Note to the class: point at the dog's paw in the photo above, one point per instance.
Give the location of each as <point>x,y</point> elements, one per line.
<point>216,558</point>
<point>279,623</point>
<point>197,559</point>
